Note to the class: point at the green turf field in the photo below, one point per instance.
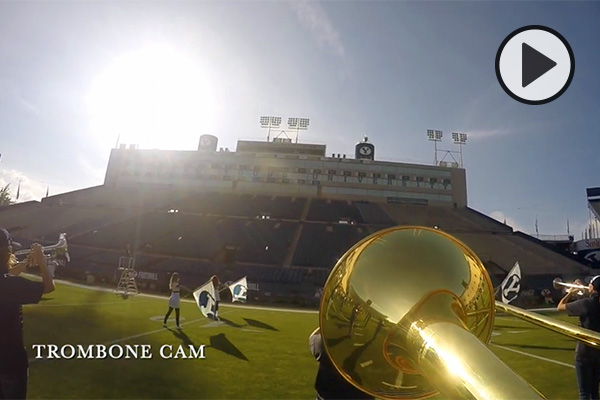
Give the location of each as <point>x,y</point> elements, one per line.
<point>254,354</point>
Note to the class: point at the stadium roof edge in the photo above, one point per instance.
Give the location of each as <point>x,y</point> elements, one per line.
<point>493,220</point>
<point>57,197</point>
<point>593,192</point>
<point>24,204</point>
<point>551,248</point>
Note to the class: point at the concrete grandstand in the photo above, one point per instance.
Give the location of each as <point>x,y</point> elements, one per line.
<point>272,226</point>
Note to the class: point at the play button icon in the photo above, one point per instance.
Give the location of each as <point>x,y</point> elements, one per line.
<point>535,65</point>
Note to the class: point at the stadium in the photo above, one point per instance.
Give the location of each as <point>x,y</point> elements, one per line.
<point>279,212</point>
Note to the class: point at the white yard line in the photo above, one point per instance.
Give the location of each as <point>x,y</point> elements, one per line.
<point>146,333</point>
<point>75,304</point>
<point>294,310</point>
<point>534,356</point>
<point>67,283</point>
<point>512,319</point>
<point>549,309</point>
<point>155,296</point>
<point>155,331</point>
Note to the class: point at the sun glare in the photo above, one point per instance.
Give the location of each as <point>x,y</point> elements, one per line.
<point>154,97</point>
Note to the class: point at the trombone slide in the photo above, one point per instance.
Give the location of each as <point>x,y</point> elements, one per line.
<point>587,336</point>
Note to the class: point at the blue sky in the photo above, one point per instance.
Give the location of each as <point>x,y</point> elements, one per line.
<point>75,75</point>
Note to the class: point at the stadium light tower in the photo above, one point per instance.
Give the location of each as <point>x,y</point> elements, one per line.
<point>460,139</point>
<point>298,124</point>
<point>270,122</point>
<point>435,136</point>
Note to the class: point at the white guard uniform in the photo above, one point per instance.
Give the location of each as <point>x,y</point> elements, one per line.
<point>174,299</point>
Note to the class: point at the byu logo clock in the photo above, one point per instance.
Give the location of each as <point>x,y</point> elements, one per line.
<point>365,150</point>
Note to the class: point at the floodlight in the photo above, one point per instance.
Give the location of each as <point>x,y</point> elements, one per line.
<point>304,123</point>
<point>270,122</point>
<point>298,123</point>
<point>434,134</point>
<point>459,138</point>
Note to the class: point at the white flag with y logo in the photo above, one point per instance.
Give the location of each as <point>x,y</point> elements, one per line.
<point>239,290</point>
<point>511,285</point>
<point>205,298</point>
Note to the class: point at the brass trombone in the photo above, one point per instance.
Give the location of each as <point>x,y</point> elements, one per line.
<point>50,252</point>
<point>559,284</point>
<point>407,313</point>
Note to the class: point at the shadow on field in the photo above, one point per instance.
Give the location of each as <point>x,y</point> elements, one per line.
<point>532,346</point>
<point>258,324</point>
<point>69,323</point>
<point>182,336</point>
<point>220,342</point>
<point>231,323</point>
<point>350,362</point>
<point>81,322</point>
<point>335,341</point>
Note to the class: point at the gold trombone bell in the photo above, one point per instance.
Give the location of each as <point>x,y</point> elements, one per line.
<point>407,312</point>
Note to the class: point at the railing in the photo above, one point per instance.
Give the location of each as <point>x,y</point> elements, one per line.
<point>555,238</point>
<point>592,204</point>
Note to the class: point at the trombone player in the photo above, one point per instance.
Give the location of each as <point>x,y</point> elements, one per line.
<point>14,292</point>
<point>587,358</point>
